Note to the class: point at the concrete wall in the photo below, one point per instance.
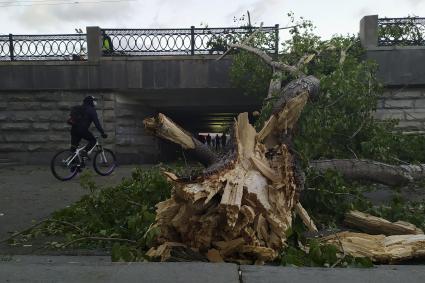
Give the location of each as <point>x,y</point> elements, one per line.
<point>401,69</point>
<point>36,97</point>
<point>33,125</point>
<point>121,73</point>
<point>406,105</point>
<point>401,72</point>
<point>399,66</point>
<point>132,142</point>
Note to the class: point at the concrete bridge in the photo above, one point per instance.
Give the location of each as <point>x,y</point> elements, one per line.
<point>37,92</point>
<point>401,69</point>
<point>35,96</point>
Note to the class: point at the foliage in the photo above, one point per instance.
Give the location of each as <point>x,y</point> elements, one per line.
<point>255,82</point>
<point>329,196</point>
<point>320,255</point>
<point>119,217</point>
<point>313,253</point>
<point>344,112</point>
<point>400,209</point>
<point>219,43</point>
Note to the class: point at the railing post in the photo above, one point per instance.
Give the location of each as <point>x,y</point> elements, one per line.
<point>94,44</point>
<point>276,46</point>
<point>192,40</point>
<point>11,51</point>
<point>369,31</point>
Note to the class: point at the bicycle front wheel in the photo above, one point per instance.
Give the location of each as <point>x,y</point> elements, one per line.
<point>104,162</point>
<point>61,166</point>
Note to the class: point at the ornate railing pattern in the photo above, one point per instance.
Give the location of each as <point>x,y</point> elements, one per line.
<point>43,47</point>
<point>401,31</point>
<point>4,48</point>
<point>137,42</point>
<point>193,41</point>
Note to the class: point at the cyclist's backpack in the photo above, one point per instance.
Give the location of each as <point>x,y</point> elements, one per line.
<point>76,115</point>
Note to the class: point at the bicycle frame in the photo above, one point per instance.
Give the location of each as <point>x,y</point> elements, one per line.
<point>69,160</point>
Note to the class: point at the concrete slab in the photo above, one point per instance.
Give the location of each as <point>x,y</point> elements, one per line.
<point>384,274</point>
<point>95,269</point>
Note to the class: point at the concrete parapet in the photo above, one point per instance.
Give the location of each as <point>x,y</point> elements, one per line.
<point>369,31</point>
<point>94,44</point>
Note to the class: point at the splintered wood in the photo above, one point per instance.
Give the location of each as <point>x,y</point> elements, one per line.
<point>379,248</point>
<point>239,213</point>
<point>376,225</point>
<point>242,206</point>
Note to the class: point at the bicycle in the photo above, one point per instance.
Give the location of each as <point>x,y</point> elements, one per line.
<point>66,164</point>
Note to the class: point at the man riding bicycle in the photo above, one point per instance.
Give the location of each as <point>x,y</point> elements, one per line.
<point>81,118</point>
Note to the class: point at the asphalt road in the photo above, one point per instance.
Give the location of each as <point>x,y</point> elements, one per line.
<point>29,194</point>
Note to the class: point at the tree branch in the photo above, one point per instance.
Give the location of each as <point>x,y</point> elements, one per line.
<point>267,59</point>
<point>374,171</point>
<point>245,41</point>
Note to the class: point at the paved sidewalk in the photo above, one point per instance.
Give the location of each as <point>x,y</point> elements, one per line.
<point>381,274</point>
<point>29,194</point>
<point>100,269</point>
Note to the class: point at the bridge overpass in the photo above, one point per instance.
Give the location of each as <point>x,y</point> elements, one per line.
<point>41,77</point>
<point>36,97</point>
<point>146,72</point>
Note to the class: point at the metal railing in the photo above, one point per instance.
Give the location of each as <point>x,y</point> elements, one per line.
<point>401,31</point>
<point>43,47</point>
<point>193,41</point>
<point>132,42</point>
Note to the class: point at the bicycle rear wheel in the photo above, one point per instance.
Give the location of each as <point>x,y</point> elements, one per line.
<point>104,162</point>
<point>60,168</point>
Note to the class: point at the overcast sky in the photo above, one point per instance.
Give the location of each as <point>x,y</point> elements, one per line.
<point>330,16</point>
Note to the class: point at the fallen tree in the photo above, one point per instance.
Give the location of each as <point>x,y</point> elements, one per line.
<point>243,204</point>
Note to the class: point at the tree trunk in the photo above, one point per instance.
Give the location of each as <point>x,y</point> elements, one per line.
<point>366,170</point>
<point>165,128</point>
<point>243,207</point>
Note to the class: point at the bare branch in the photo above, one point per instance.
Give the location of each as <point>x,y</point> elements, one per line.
<point>245,41</point>
<point>267,59</point>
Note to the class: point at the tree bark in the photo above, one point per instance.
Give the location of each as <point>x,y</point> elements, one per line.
<point>369,170</point>
<point>165,128</point>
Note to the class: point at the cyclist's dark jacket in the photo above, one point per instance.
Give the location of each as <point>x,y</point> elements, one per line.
<point>91,116</point>
<point>81,129</point>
